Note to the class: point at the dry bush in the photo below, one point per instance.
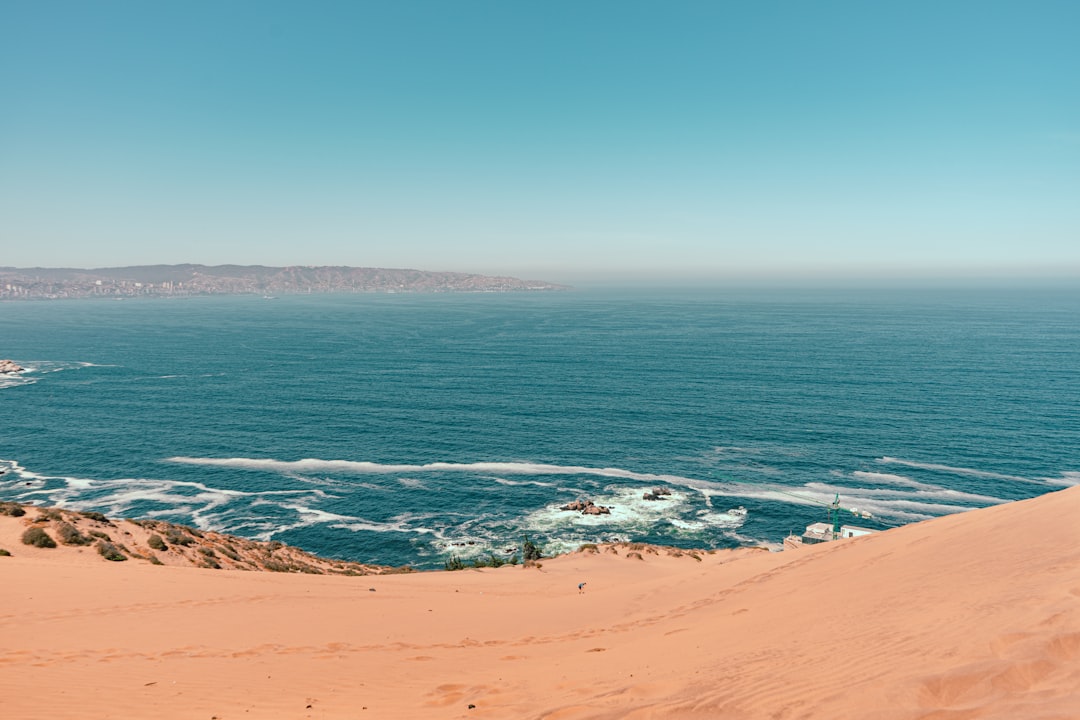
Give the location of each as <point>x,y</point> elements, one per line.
<point>96,517</point>
<point>174,537</point>
<point>70,535</point>
<point>110,552</point>
<point>12,509</point>
<point>38,538</point>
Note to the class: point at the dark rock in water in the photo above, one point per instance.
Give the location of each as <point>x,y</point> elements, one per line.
<point>586,507</point>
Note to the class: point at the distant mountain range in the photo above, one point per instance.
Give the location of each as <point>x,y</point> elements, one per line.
<point>188,280</point>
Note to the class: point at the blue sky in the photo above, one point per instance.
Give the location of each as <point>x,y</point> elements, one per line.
<point>554,140</point>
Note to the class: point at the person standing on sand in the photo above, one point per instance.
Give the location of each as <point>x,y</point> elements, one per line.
<point>581,588</point>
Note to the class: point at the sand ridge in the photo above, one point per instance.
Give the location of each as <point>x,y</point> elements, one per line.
<point>974,615</point>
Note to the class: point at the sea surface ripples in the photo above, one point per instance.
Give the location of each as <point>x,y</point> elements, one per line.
<point>405,428</point>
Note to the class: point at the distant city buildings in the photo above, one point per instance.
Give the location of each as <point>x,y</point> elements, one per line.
<point>165,281</point>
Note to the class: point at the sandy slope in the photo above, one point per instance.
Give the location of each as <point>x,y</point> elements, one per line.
<point>969,616</point>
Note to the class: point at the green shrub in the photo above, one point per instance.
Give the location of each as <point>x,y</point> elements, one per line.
<point>4,553</point>
<point>208,552</point>
<point>38,538</point>
<point>154,560</point>
<point>156,543</point>
<point>100,535</point>
<point>70,535</point>
<point>110,551</point>
<point>454,563</point>
<point>530,551</point>
<point>97,517</point>
<point>48,514</point>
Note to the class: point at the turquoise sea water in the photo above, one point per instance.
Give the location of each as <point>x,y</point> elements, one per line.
<point>405,428</point>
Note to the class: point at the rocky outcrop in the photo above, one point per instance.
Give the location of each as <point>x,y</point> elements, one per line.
<point>7,367</point>
<point>586,507</point>
<point>656,494</point>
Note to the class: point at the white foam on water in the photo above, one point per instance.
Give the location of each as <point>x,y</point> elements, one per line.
<point>629,512</point>
<point>958,470</point>
<point>308,465</point>
<point>518,483</point>
<point>722,519</point>
<point>883,479</point>
<point>10,381</point>
<point>1067,479</point>
<point>412,483</point>
<point>927,492</point>
<point>625,512</point>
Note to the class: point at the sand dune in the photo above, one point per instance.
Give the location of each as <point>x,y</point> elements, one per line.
<point>966,616</point>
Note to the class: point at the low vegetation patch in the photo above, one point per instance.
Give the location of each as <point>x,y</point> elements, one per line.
<point>38,538</point>
<point>110,552</point>
<point>48,514</point>
<point>11,509</point>
<point>70,535</point>
<point>156,543</point>
<point>174,537</point>
<point>530,551</point>
<point>4,553</point>
<point>96,517</point>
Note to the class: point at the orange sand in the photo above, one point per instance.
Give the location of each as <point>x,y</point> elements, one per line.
<point>968,616</point>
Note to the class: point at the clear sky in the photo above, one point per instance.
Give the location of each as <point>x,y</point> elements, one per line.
<point>554,140</point>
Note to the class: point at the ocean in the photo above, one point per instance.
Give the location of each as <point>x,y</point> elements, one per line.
<point>406,428</point>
